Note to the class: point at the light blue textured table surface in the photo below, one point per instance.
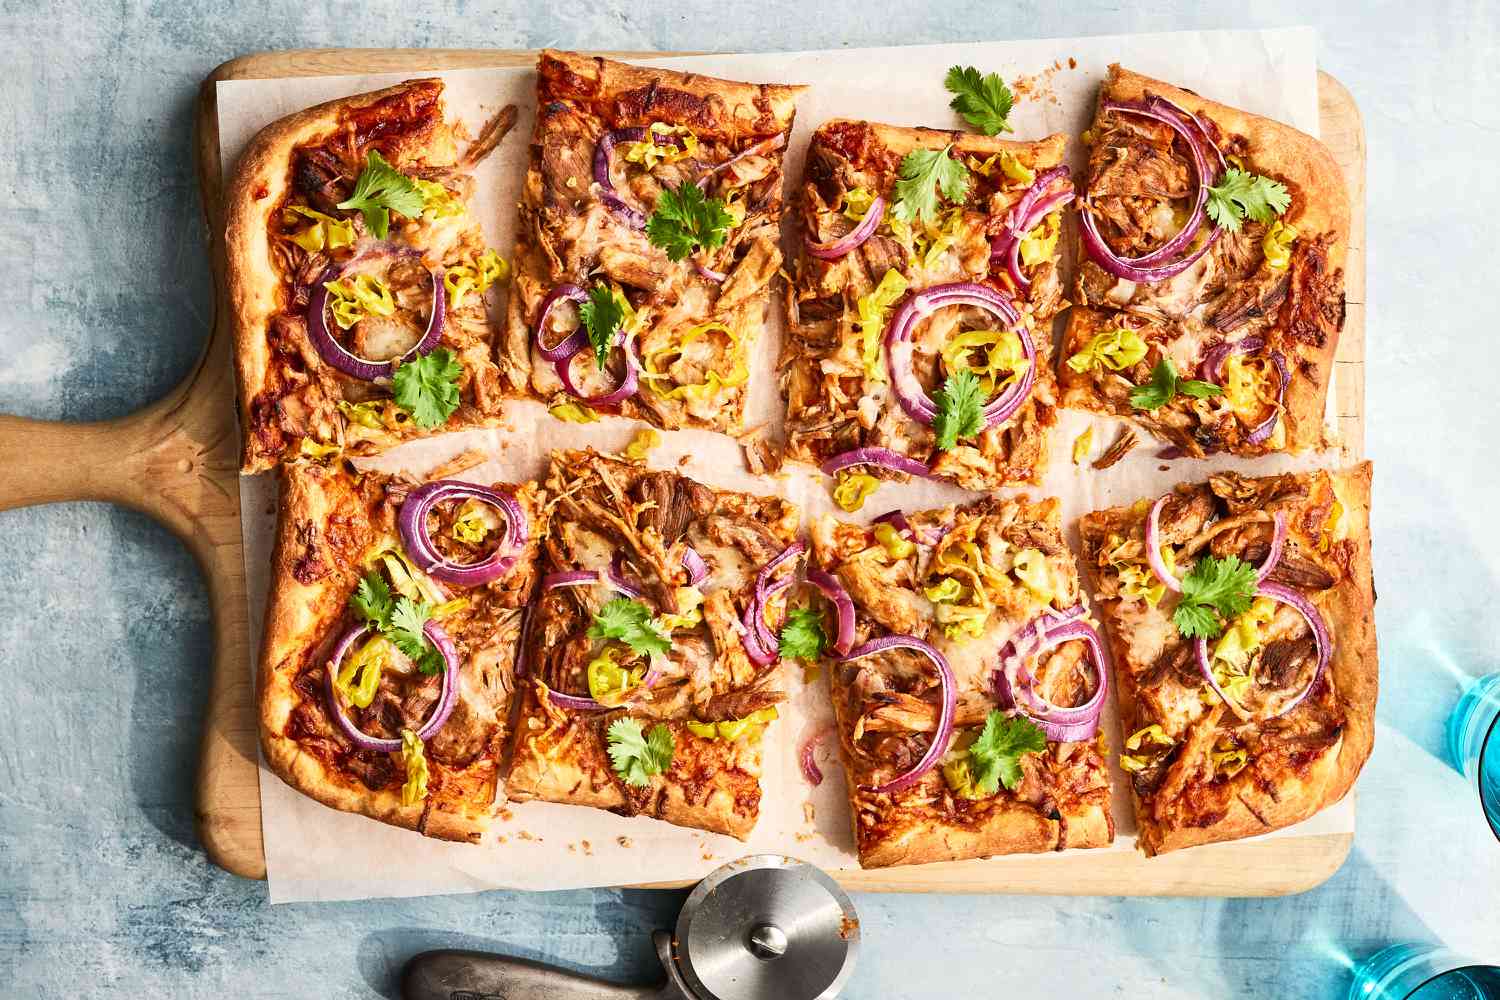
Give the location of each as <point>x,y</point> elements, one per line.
<point>105,630</point>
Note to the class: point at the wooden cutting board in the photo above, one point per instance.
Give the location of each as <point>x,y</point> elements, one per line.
<point>177,460</point>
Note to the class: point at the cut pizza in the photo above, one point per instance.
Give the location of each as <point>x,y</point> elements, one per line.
<point>647,243</point>
<point>652,668</point>
<point>1210,286</point>
<point>919,335</point>
<point>1241,613</point>
<point>391,634</point>
<point>357,278</point>
<point>967,681</point>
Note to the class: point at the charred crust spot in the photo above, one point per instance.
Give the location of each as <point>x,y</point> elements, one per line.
<point>310,567</point>
<point>393,121</point>
<point>1313,309</point>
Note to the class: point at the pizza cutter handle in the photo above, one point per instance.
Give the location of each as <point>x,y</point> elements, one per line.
<point>476,975</point>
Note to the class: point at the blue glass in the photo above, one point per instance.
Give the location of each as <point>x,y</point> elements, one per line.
<point>1423,972</point>
<point>1474,742</point>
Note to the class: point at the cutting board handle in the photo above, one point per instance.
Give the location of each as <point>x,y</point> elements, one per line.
<point>49,462</point>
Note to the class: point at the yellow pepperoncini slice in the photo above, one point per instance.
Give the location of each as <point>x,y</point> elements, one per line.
<point>1114,349</point>
<point>325,232</point>
<point>945,591</point>
<point>705,730</point>
<point>1333,526</point>
<point>648,152</point>
<point>857,202</point>
<point>359,674</point>
<point>640,446</point>
<point>962,619</point>
<point>317,451</point>
<point>450,608</point>
<point>573,413</point>
<point>474,277</point>
<point>1227,757</point>
<point>874,309</point>
<point>653,367</point>
<point>409,581</point>
<point>1247,384</point>
<point>931,245</point>
<point>1082,445</point>
<point>609,681</point>
<point>364,414</point>
<point>1277,245</point>
<point>1032,569</point>
<point>690,610</point>
<point>733,729</point>
<point>1004,360</point>
<point>475,520</point>
<point>957,774</point>
<point>852,489</point>
<point>1040,243</point>
<point>1135,576</point>
<point>1017,171</point>
<point>414,757</point>
<point>896,545</point>
<point>437,201</point>
<point>1152,739</point>
<point>352,299</point>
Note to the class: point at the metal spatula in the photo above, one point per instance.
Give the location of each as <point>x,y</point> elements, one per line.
<point>766,927</point>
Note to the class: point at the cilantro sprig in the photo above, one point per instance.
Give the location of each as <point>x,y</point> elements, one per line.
<point>399,619</point>
<point>686,219</point>
<point>802,636</point>
<point>380,190</point>
<point>1212,593</point>
<point>601,315</point>
<point>984,101</point>
<point>427,387</point>
<point>995,756</point>
<point>1241,194</point>
<point>960,409</point>
<point>925,173</point>
<point>637,756</point>
<point>629,621</point>
<point>1166,386</point>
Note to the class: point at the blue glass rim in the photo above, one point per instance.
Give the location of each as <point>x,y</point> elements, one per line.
<point>1491,810</point>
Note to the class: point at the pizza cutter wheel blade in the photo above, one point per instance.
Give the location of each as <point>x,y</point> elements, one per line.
<point>766,927</point>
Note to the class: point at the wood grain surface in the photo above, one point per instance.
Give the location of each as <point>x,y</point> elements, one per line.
<point>177,461</point>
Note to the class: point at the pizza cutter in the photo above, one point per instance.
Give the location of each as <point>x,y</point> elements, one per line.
<point>765,927</point>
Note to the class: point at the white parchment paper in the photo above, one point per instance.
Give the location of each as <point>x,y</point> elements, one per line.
<point>315,853</point>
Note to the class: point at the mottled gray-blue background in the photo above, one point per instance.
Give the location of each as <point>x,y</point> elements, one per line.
<point>105,632</point>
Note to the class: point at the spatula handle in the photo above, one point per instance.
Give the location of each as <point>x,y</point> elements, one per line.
<point>475,975</point>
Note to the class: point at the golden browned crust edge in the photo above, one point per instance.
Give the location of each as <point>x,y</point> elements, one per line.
<point>903,139</point>
<point>1320,205</point>
<point>295,611</point>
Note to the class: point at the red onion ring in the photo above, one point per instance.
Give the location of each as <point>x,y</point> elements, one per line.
<point>885,458</point>
<point>760,643</point>
<point>1263,430</point>
<point>624,390</point>
<point>853,239</point>
<point>1153,546</point>
<point>411,521</point>
<point>897,519</point>
<point>334,353</point>
<point>520,668</point>
<point>618,580</point>
<point>807,755</point>
<point>909,393</point>
<point>1025,216</point>
<point>440,712</point>
<point>631,216</point>
<point>1211,368</point>
<point>1278,541</point>
<point>574,342</point>
<point>1014,686</point>
<point>767,145</point>
<point>1321,639</point>
<point>829,585</point>
<point>1148,267</point>
<point>948,693</point>
<point>717,277</point>
<point>697,569</point>
<point>570,578</point>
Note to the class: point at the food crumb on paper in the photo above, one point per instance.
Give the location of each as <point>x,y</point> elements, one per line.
<point>623,842</point>
<point>809,812</point>
<point>588,849</point>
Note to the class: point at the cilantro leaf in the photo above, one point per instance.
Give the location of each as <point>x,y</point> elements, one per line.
<point>960,412</point>
<point>427,387</point>
<point>1165,386</point>
<point>380,190</point>
<point>371,600</point>
<point>405,630</point>
<point>995,757</point>
<point>685,219</point>
<point>1240,193</point>
<point>802,637</point>
<point>985,102</point>
<point>635,755</point>
<point>630,622</point>
<point>602,315</point>
<point>925,172</point>
<point>1212,593</point>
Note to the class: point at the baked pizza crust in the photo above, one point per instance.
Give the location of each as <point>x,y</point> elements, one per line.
<point>1320,207</point>
<point>321,522</point>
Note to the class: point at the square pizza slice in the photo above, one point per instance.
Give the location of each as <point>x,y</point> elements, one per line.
<point>648,239</point>
<point>1210,286</point>
<point>357,277</point>
<point>392,629</point>
<point>652,671</point>
<point>1241,613</point>
<point>919,323</point>
<point>967,682</point>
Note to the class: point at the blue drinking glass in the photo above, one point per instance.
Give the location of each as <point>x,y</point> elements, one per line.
<point>1423,972</point>
<point>1474,742</point>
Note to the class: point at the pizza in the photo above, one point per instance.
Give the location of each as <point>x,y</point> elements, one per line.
<point>1244,649</point>
<point>648,240</point>
<point>387,663</point>
<point>967,683</point>
<point>1210,286</point>
<point>357,278</point>
<point>651,669</point>
<point>928,269</point>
